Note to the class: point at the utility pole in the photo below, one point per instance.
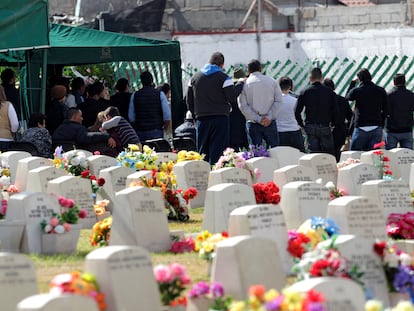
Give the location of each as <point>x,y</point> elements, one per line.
<point>259,30</point>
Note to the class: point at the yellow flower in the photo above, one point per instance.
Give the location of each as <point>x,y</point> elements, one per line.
<point>133,147</point>
<point>147,150</point>
<point>139,165</point>
<point>208,247</point>
<point>271,294</point>
<point>237,306</point>
<point>404,306</point>
<point>254,303</point>
<point>373,305</point>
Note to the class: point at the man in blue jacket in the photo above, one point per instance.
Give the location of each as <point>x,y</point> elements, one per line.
<point>209,95</point>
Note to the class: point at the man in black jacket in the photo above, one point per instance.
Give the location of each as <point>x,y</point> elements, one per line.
<point>209,95</point>
<point>400,115</point>
<point>319,103</point>
<point>370,111</point>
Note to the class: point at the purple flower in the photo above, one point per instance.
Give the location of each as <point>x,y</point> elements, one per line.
<point>274,304</point>
<point>315,306</point>
<point>403,278</point>
<point>199,289</point>
<point>217,290</point>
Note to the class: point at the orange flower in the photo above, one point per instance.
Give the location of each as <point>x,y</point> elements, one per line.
<point>257,291</point>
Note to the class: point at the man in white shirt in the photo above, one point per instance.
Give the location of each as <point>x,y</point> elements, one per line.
<point>287,126</point>
<point>259,102</point>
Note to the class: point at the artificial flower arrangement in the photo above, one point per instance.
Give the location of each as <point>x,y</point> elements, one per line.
<point>3,208</point>
<point>255,151</point>
<point>6,187</point>
<point>376,305</point>
<point>400,226</point>
<point>398,268</point>
<point>334,192</point>
<point>100,207</point>
<point>96,183</point>
<point>74,161</point>
<point>271,300</point>
<point>325,261</point>
<point>266,193</point>
<point>77,283</point>
<point>172,281</point>
<point>381,162</point>
<point>101,232</point>
<point>309,234</point>
<point>132,157</point>
<point>347,162</point>
<point>213,292</point>
<point>183,245</point>
<point>184,155</point>
<point>206,242</point>
<point>69,215</point>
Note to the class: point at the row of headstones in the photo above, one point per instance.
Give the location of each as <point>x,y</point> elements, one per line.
<point>239,263</point>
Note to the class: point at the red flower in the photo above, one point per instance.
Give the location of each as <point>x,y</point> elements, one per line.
<point>386,159</point>
<point>92,177</point>
<point>318,267</point>
<point>257,291</point>
<point>314,296</point>
<point>379,145</point>
<point>379,248</point>
<point>378,152</point>
<point>85,173</point>
<point>82,214</point>
<point>225,234</point>
<point>101,182</point>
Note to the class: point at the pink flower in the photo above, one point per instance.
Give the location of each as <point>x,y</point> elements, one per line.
<point>379,145</point>
<point>162,274</point>
<point>96,152</point>
<point>12,189</point>
<point>67,227</point>
<point>177,270</point>
<point>82,214</point>
<point>54,221</point>
<point>185,279</point>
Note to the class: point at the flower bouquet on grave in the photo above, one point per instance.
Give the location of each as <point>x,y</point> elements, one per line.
<point>309,234</point>
<point>206,242</point>
<point>77,283</point>
<point>334,192</point>
<point>74,161</point>
<point>325,261</point>
<point>273,300</point>
<point>172,281</point>
<point>381,161</point>
<point>96,183</point>
<point>6,187</point>
<point>70,212</point>
<point>55,225</point>
<point>183,245</point>
<point>400,226</point>
<point>100,207</point>
<point>184,155</point>
<point>347,162</point>
<point>255,151</point>
<point>212,294</point>
<point>266,193</point>
<point>101,232</point>
<point>132,157</point>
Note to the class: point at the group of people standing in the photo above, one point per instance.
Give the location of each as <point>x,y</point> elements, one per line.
<point>275,116</point>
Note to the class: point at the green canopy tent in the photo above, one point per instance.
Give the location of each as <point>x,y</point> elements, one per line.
<point>77,46</point>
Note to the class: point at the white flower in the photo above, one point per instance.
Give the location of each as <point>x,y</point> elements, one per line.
<point>391,259</point>
<point>47,228</point>
<point>59,229</point>
<point>319,181</point>
<point>405,259</point>
<point>330,185</point>
<point>5,181</point>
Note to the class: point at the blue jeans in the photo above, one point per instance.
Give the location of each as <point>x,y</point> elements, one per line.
<point>151,134</point>
<point>320,138</point>
<point>405,140</point>
<point>212,137</point>
<point>5,145</point>
<point>256,133</point>
<point>292,139</point>
<point>365,141</point>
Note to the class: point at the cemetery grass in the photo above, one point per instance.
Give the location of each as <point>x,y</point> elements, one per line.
<point>49,266</point>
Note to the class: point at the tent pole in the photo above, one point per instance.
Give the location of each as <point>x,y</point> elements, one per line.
<point>43,83</point>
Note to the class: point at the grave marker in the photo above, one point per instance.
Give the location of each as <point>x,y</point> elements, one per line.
<point>351,177</point>
<point>323,164</point>
<point>10,159</point>
<point>23,168</point>
<point>400,162</point>
<point>291,173</point>
<point>50,302</point>
<point>286,155</point>
<point>96,163</point>
<point>38,178</point>
<point>229,175</point>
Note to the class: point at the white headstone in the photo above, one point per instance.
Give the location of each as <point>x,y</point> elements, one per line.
<point>119,271</point>
<point>17,280</point>
<point>138,176</point>
<point>96,163</point>
<point>51,302</point>
<point>290,173</point>
<point>286,155</point>
<point>139,219</point>
<point>412,177</point>
<point>38,178</point>
<point>360,216</point>
<point>87,153</point>
<point>193,174</point>
<point>23,168</point>
<point>360,252</point>
<point>221,200</point>
<point>351,177</point>
<point>243,261</point>
<point>263,220</point>
<point>340,294</point>
<point>371,158</point>
<point>265,167</point>
<point>229,175</point>
<point>78,189</point>
<point>32,208</point>
<point>353,154</point>
<point>300,200</point>
<point>400,162</point>
<point>10,159</point>
<point>166,157</point>
<point>393,196</point>
<point>115,180</point>
<point>323,164</point>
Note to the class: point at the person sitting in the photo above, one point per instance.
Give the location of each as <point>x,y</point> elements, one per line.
<point>38,135</point>
<point>72,130</point>
<point>8,122</point>
<point>120,127</point>
<point>186,129</point>
<point>57,110</point>
<point>122,97</point>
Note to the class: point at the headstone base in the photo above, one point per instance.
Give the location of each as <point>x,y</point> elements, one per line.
<point>57,244</point>
<point>11,234</point>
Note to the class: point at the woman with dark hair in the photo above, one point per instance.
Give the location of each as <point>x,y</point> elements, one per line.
<point>8,122</point>
<point>38,135</point>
